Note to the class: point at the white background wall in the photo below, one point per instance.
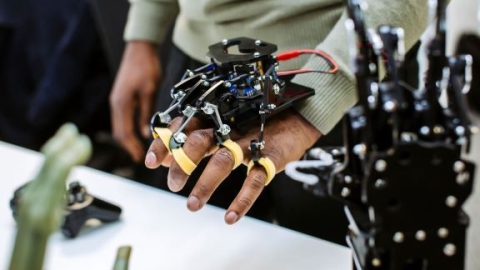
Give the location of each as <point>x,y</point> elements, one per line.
<point>462,16</point>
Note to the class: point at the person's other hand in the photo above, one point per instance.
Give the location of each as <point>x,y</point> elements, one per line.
<point>133,92</point>
<point>287,137</point>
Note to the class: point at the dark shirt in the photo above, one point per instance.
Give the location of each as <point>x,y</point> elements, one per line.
<point>54,70</point>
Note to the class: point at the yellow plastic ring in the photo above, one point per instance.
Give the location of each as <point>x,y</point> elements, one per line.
<point>163,134</point>
<point>267,164</point>
<point>236,151</point>
<point>187,165</point>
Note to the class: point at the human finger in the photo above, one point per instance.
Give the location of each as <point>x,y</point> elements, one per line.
<point>259,174</point>
<point>220,165</point>
<point>199,144</point>
<point>123,126</point>
<point>139,68</point>
<point>228,157</point>
<point>159,152</point>
<point>160,147</point>
<point>145,99</point>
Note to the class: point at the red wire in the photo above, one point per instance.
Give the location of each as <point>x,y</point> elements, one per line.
<point>294,72</point>
<point>296,53</point>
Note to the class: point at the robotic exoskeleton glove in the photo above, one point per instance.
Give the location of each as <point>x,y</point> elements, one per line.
<point>234,92</point>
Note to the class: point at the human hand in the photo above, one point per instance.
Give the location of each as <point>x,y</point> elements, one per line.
<point>134,88</point>
<point>287,137</point>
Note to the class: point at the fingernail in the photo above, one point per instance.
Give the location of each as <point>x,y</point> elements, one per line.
<point>146,131</point>
<point>173,185</point>
<point>150,159</point>
<point>231,218</point>
<point>193,203</point>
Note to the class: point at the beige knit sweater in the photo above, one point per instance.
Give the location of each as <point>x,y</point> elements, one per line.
<point>291,24</point>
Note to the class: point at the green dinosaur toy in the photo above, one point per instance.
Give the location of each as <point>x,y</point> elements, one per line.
<point>41,206</point>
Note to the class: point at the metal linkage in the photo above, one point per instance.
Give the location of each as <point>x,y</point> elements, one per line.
<point>401,173</point>
<point>236,90</point>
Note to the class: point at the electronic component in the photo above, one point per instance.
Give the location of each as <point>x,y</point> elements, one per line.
<point>236,90</point>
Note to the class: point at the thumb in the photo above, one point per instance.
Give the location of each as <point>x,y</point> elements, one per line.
<point>145,113</point>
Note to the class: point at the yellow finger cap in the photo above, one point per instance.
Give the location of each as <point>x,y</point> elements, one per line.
<point>183,160</point>
<point>236,152</point>
<point>163,134</point>
<point>268,165</point>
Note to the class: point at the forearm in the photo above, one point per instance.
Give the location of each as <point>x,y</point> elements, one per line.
<point>336,93</point>
<point>149,20</point>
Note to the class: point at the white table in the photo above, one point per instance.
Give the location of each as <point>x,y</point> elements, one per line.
<point>162,232</point>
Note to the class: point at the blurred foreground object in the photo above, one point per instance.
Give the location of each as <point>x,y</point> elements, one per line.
<point>80,207</point>
<point>41,208</point>
<point>123,257</point>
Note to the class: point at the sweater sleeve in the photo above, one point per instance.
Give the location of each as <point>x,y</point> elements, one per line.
<point>149,19</point>
<point>334,94</point>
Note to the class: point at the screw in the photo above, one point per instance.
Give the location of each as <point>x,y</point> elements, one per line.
<point>360,149</point>
<point>336,152</point>
<point>451,201</point>
<point>442,232</point>
<point>424,130</point>
<point>276,89</point>
<point>165,118</point>
<point>225,41</point>
<point>460,131</point>
<point>450,249</point>
<point>398,237</point>
<point>380,183</point>
<point>389,106</point>
<point>189,111</point>
<point>348,179</point>
<point>345,192</point>
<point>271,106</point>
<point>380,165</point>
<point>228,84</point>
<point>458,166</point>
<point>376,262</point>
<point>407,137</point>
<point>224,129</point>
<point>462,178</point>
<point>179,95</point>
<point>256,55</point>
<point>420,235</point>
<point>180,137</point>
<point>258,42</point>
<point>208,108</point>
<point>438,130</point>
